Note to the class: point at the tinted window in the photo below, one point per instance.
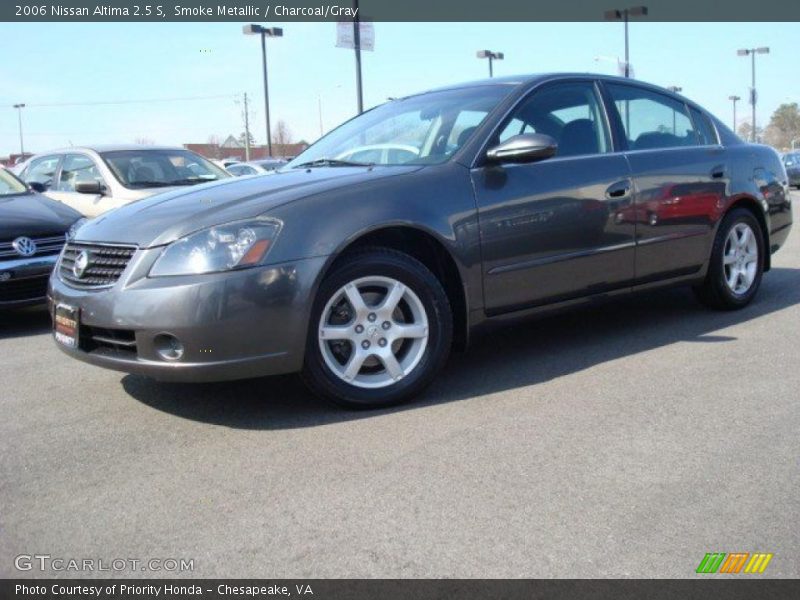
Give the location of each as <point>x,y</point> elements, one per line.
<point>240,170</point>
<point>568,112</point>
<point>422,125</point>
<point>42,170</point>
<point>705,132</point>
<point>77,168</point>
<point>652,120</point>
<point>159,168</point>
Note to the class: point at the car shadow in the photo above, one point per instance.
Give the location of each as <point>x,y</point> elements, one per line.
<point>526,354</point>
<point>22,322</point>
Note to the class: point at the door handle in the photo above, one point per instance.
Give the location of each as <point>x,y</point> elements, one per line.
<point>718,172</point>
<point>620,189</point>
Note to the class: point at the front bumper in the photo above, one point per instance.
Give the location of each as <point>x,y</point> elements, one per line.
<point>232,325</point>
<point>23,281</point>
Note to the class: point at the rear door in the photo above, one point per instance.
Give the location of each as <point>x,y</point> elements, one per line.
<point>549,230</point>
<point>680,180</point>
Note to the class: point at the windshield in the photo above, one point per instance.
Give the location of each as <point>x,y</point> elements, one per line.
<point>160,168</point>
<point>419,130</point>
<point>791,159</point>
<point>10,185</point>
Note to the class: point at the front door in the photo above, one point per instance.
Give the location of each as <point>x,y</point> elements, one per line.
<point>551,230</point>
<point>77,168</point>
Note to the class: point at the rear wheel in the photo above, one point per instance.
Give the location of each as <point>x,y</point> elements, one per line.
<point>737,263</point>
<point>381,329</point>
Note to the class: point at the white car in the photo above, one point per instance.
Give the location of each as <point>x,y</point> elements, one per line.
<point>255,167</point>
<point>93,180</point>
<point>381,154</point>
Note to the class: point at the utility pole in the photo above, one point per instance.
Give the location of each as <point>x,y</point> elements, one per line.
<point>246,130</point>
<point>19,108</point>
<point>357,44</point>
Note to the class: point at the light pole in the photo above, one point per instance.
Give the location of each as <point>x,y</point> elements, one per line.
<point>734,99</point>
<point>19,108</point>
<point>265,32</point>
<point>751,52</point>
<point>624,15</point>
<point>492,56</point>
<point>675,90</point>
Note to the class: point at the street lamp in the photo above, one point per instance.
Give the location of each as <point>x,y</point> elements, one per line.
<point>624,15</point>
<point>734,99</point>
<point>751,52</point>
<point>675,89</point>
<point>265,32</point>
<point>492,56</point>
<point>19,108</point>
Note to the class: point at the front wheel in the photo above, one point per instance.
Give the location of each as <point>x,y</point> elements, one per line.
<point>737,263</point>
<point>381,329</point>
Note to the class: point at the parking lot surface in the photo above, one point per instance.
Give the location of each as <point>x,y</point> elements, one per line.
<point>620,441</point>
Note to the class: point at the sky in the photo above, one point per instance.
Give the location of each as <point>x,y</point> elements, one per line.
<point>194,75</point>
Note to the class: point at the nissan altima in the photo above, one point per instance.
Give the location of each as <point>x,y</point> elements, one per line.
<point>521,196</point>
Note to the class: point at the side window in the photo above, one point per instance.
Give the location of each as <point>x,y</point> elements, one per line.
<point>705,131</point>
<point>464,126</point>
<point>42,170</point>
<point>568,112</point>
<point>652,120</point>
<point>77,168</point>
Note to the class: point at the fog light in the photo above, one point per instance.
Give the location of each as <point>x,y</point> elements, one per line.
<point>168,346</point>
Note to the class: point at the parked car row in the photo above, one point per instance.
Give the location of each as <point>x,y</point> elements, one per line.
<point>93,180</point>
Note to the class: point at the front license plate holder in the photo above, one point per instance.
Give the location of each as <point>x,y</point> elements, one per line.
<point>66,325</point>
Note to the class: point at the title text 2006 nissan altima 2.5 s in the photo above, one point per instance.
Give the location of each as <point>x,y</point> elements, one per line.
<point>363,267</point>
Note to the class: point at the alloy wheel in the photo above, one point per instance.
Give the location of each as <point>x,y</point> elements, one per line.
<point>373,332</point>
<point>740,258</point>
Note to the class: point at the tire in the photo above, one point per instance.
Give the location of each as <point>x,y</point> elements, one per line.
<point>379,326</point>
<point>717,291</point>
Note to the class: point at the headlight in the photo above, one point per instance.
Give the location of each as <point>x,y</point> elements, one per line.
<point>220,248</point>
<point>73,229</point>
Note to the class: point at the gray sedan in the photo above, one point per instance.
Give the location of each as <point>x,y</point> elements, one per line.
<point>523,196</point>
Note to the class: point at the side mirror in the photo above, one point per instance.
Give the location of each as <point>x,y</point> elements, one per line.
<point>89,187</point>
<point>523,148</point>
<point>37,186</point>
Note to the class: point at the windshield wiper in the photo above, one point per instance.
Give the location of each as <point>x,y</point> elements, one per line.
<point>151,183</point>
<point>333,162</point>
<point>191,181</point>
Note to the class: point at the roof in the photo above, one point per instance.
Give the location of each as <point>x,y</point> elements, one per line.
<point>109,148</point>
<point>532,78</point>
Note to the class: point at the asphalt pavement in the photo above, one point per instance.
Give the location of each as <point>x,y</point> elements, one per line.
<point>621,441</point>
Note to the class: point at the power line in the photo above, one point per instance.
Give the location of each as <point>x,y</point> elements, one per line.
<point>141,101</point>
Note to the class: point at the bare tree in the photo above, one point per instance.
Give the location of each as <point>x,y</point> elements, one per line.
<point>144,141</point>
<point>215,142</point>
<point>281,136</point>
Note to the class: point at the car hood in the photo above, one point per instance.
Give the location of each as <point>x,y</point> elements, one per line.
<point>33,215</point>
<point>165,217</point>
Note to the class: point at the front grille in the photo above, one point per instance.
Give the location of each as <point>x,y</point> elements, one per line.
<point>17,290</point>
<point>119,341</point>
<point>105,264</point>
<point>46,245</point>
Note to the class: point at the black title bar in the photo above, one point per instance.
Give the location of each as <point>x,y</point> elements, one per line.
<point>391,10</point>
